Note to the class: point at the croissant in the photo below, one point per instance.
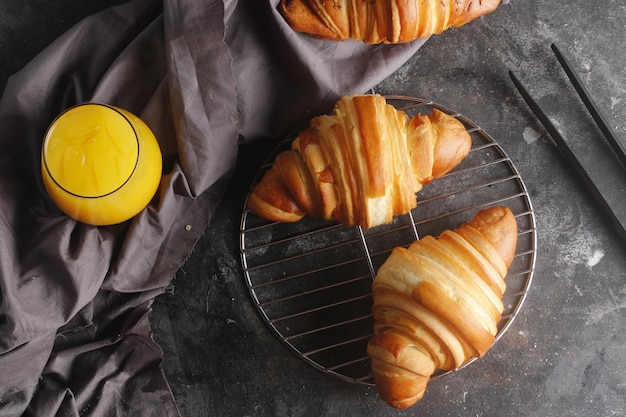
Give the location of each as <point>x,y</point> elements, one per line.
<point>380,21</point>
<point>437,303</point>
<point>360,165</point>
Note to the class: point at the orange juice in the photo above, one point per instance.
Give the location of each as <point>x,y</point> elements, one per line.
<point>100,164</point>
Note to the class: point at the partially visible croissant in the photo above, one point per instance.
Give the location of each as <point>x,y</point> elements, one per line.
<point>360,165</point>
<point>437,304</point>
<point>381,21</point>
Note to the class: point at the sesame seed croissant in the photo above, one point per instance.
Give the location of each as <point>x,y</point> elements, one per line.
<point>381,21</point>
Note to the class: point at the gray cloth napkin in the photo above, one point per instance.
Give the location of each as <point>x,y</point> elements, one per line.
<point>208,76</point>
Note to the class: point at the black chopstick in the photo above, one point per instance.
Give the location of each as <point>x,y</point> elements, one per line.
<point>568,155</point>
<point>554,133</point>
<point>613,141</point>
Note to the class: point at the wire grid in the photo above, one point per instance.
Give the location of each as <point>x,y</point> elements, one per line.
<point>311,280</point>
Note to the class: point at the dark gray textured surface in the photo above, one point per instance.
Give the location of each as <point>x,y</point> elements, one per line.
<point>563,355</point>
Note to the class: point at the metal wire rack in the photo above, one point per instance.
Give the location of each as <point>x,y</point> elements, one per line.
<point>311,280</point>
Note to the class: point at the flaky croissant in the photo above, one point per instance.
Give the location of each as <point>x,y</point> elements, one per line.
<point>381,21</point>
<point>360,165</point>
<point>437,304</point>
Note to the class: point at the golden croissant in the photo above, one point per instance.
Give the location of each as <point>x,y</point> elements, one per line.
<point>438,302</point>
<point>360,165</point>
<point>381,21</point>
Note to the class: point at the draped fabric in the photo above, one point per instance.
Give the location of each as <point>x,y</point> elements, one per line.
<point>208,77</point>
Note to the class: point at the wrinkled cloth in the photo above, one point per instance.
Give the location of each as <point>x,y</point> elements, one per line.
<point>208,76</point>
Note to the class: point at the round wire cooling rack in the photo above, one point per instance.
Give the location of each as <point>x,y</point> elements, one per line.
<point>311,280</point>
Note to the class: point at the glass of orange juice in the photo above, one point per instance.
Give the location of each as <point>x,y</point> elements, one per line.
<point>100,164</point>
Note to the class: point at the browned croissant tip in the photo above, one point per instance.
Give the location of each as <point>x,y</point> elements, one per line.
<point>499,226</point>
<point>272,200</point>
<point>401,369</point>
<point>453,142</point>
<point>472,10</point>
<point>293,12</point>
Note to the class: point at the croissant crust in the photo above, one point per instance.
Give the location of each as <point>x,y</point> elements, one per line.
<point>381,21</point>
<point>360,165</point>
<point>438,302</point>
